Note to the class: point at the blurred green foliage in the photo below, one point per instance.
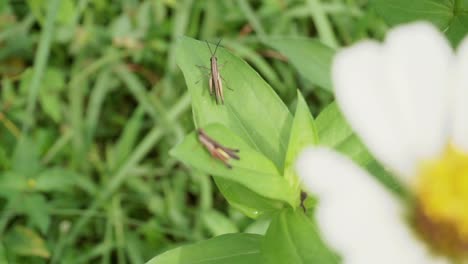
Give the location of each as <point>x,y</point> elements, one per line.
<point>91,102</point>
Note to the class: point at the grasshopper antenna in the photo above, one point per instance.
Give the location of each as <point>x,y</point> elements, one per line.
<point>217,45</point>
<point>212,54</point>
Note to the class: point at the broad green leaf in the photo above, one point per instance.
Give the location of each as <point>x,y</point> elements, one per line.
<point>26,242</point>
<point>12,183</point>
<point>247,201</point>
<point>51,105</point>
<point>303,134</point>
<point>55,179</point>
<point>51,85</point>
<point>35,206</point>
<point>122,26</point>
<point>450,16</point>
<point>259,226</point>
<point>225,249</point>
<point>335,132</point>
<point>310,57</point>
<point>251,110</point>
<point>54,80</point>
<point>217,223</point>
<point>254,171</point>
<point>65,14</point>
<point>26,158</point>
<point>247,111</point>
<point>458,27</point>
<point>293,238</point>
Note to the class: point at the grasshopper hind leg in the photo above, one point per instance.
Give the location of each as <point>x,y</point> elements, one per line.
<point>211,84</point>
<point>220,86</point>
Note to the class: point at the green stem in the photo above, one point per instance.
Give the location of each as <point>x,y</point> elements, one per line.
<point>250,15</point>
<point>40,64</point>
<point>322,23</point>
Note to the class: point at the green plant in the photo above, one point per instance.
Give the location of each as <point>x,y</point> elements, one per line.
<point>253,119</point>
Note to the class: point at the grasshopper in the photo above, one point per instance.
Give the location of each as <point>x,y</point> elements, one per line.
<point>215,77</point>
<point>217,150</point>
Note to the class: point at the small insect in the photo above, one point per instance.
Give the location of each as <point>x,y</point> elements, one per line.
<point>216,84</point>
<point>217,150</point>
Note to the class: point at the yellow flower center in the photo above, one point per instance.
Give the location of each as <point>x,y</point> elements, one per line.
<point>442,203</point>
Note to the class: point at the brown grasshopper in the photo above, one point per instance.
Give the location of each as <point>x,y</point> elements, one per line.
<point>215,78</point>
<point>217,150</point>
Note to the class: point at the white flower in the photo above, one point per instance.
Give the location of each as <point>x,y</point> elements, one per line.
<point>407,99</point>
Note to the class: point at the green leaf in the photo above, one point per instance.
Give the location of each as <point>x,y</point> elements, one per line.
<point>122,26</point>
<point>26,242</point>
<point>335,132</point>
<point>293,238</point>
<point>259,226</point>
<point>254,171</point>
<point>247,201</point>
<point>49,92</point>
<point>3,253</point>
<point>310,57</point>
<point>252,110</point>
<point>448,15</point>
<point>128,138</point>
<point>36,208</point>
<point>56,179</point>
<point>247,112</point>
<point>11,183</point>
<point>54,80</point>
<point>26,158</point>
<point>458,27</point>
<point>65,14</point>
<point>217,223</point>
<point>386,178</point>
<point>51,105</point>
<point>225,249</point>
<point>303,134</point>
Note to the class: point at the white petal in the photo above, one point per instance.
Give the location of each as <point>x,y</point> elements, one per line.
<point>419,61</point>
<point>395,95</point>
<point>358,218</point>
<point>460,100</point>
<point>358,77</point>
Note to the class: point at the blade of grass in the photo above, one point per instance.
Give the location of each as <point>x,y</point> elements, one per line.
<point>110,58</point>
<point>138,90</point>
<point>252,18</point>
<point>117,216</point>
<point>96,99</point>
<point>59,144</point>
<point>23,26</point>
<point>106,256</point>
<point>40,62</point>
<point>180,25</point>
<point>76,96</point>
<point>322,23</point>
<point>146,144</point>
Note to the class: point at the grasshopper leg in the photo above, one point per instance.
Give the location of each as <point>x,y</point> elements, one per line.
<point>211,84</point>
<point>220,85</point>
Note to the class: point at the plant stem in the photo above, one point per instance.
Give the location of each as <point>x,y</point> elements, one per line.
<point>322,23</point>
<point>40,62</point>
